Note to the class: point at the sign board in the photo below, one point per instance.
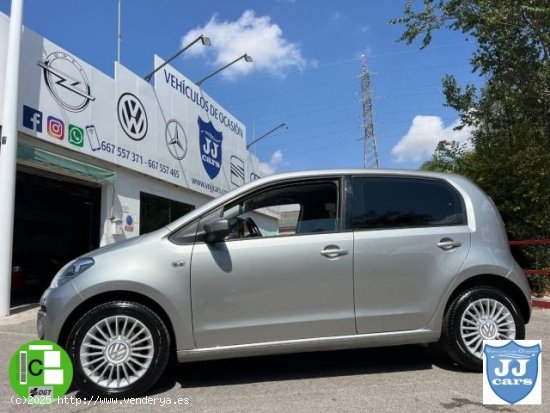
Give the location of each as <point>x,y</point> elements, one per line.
<point>172,131</point>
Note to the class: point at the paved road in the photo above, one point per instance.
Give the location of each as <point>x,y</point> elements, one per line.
<point>400,379</point>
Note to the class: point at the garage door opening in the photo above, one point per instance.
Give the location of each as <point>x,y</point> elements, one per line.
<point>56,220</point>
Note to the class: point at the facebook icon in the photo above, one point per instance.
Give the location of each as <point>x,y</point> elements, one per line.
<point>32,118</point>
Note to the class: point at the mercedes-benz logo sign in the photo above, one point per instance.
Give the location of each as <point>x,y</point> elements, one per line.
<point>176,139</point>
<point>66,81</point>
<point>132,116</point>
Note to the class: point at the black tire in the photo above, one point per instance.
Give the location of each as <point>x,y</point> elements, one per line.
<point>451,338</point>
<point>161,344</point>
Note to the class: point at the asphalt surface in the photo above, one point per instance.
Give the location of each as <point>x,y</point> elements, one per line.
<point>415,378</point>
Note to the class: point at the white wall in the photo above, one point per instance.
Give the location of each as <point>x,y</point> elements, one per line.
<point>127,190</point>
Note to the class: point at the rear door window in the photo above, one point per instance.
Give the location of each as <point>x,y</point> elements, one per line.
<point>401,202</point>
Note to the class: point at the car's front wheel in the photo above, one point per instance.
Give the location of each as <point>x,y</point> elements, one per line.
<point>119,349</point>
<point>477,314</point>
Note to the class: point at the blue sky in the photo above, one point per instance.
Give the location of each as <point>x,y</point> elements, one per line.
<point>305,71</point>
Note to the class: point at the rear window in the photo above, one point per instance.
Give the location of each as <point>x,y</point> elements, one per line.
<point>401,202</point>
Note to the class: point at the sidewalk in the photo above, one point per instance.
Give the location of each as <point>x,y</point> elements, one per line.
<point>20,314</point>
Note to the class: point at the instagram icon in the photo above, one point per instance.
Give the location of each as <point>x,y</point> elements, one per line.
<point>56,128</point>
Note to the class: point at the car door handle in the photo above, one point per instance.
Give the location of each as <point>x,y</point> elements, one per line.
<point>333,251</point>
<point>448,244</point>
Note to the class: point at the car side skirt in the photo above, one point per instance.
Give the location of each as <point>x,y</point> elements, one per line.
<point>309,345</point>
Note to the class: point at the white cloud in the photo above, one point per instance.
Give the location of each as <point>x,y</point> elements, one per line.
<point>336,18</point>
<point>258,36</point>
<point>269,168</point>
<point>423,136</point>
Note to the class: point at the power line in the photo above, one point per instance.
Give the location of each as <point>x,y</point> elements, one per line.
<point>310,137</point>
<point>318,66</point>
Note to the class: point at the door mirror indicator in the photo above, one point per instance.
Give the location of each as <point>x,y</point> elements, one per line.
<point>216,230</point>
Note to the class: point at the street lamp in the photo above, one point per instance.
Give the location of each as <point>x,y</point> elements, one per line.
<point>282,125</point>
<point>204,40</point>
<point>245,56</point>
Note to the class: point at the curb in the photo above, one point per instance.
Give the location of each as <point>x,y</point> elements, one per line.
<point>540,303</point>
<point>26,315</point>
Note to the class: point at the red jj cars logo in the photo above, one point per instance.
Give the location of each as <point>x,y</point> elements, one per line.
<point>210,143</point>
<point>66,81</point>
<point>511,372</point>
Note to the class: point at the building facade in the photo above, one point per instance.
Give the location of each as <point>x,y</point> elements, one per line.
<point>103,159</point>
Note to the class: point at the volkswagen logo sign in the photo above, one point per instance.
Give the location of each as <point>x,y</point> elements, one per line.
<point>66,81</point>
<point>132,116</point>
<point>117,352</point>
<point>176,139</point>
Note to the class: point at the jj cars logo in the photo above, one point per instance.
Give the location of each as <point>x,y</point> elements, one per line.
<point>511,372</point>
<point>66,81</point>
<point>210,143</point>
<point>56,128</point>
<point>176,140</point>
<point>132,116</point>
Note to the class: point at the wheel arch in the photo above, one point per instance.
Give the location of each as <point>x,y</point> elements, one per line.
<point>119,295</point>
<point>496,281</point>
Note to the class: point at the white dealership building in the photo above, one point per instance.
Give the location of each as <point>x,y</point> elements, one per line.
<point>103,159</point>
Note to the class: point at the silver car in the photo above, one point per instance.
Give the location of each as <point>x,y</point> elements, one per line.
<point>296,262</point>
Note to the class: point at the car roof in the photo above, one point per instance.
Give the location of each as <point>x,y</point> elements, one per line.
<point>354,171</point>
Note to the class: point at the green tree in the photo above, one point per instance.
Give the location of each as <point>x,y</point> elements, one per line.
<point>450,157</point>
<point>509,113</point>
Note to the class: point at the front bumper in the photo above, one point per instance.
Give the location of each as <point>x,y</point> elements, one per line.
<point>40,320</point>
<point>56,305</point>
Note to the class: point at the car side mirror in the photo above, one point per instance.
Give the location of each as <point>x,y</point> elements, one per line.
<point>216,230</point>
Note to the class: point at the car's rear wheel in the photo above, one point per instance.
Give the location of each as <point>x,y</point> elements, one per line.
<point>477,314</point>
<point>119,349</point>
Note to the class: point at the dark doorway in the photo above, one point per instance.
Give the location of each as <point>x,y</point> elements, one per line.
<point>56,220</point>
<point>156,212</point>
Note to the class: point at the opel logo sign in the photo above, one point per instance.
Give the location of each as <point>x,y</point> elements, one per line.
<point>132,116</point>
<point>67,82</point>
<point>176,139</point>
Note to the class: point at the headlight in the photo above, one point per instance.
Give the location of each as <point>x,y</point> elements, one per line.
<point>71,270</point>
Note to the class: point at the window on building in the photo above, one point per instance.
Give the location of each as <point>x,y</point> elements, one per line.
<point>396,202</point>
<point>156,212</point>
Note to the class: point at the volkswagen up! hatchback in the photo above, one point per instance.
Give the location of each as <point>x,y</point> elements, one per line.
<point>296,262</point>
